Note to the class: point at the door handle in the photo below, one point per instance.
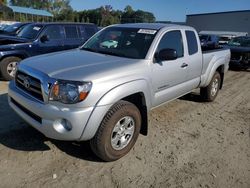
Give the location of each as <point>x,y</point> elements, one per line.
<point>184,65</point>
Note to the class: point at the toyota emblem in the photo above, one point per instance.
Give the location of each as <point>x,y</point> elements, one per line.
<point>26,83</point>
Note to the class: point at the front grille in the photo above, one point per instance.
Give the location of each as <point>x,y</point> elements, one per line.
<point>31,114</point>
<point>29,84</point>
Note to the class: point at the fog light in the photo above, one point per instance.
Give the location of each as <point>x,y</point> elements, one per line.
<point>62,125</point>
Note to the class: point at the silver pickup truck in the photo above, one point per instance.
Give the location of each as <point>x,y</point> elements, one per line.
<point>103,91</point>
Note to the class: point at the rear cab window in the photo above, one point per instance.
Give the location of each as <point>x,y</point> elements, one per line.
<point>191,42</point>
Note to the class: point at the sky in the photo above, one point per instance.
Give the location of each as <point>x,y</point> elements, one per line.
<point>167,10</point>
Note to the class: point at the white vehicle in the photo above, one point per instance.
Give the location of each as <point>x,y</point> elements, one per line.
<point>103,92</point>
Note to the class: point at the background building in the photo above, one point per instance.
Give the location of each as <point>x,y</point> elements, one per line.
<point>15,13</point>
<point>236,21</point>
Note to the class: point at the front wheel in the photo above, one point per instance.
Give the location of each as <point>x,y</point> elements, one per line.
<point>210,92</point>
<point>118,131</point>
<point>8,67</point>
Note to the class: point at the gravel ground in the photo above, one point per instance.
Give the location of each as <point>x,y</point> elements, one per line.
<point>190,144</point>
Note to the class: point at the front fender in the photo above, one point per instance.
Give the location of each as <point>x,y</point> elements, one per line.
<point>124,90</point>
<point>110,98</point>
<point>16,53</point>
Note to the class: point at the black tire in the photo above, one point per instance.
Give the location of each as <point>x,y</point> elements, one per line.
<point>6,74</point>
<point>101,143</point>
<point>210,92</point>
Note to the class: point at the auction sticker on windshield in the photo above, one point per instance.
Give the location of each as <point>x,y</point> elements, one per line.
<point>37,28</point>
<point>147,31</point>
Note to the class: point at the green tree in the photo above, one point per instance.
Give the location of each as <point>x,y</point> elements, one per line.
<point>61,9</point>
<point>128,15</point>
<point>37,4</point>
<point>4,2</point>
<point>142,16</point>
<point>131,16</point>
<point>129,9</point>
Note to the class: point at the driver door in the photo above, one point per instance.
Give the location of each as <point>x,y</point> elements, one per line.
<point>54,42</point>
<point>169,76</point>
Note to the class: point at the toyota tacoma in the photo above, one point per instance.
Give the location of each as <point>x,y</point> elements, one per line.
<point>103,91</point>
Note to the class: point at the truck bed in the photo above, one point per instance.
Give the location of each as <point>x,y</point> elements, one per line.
<point>210,57</point>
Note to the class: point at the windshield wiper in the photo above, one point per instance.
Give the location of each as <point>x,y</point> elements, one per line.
<point>119,54</point>
<point>89,49</point>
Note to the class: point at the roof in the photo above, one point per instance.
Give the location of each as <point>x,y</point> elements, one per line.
<point>30,11</point>
<point>62,23</point>
<point>154,26</point>
<point>228,12</point>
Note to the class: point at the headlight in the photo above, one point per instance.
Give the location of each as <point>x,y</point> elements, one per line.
<point>69,92</point>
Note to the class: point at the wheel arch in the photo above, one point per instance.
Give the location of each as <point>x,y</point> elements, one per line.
<point>138,99</point>
<point>134,92</point>
<point>19,55</point>
<point>219,66</point>
<point>221,70</point>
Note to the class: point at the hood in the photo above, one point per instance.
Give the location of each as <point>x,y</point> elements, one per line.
<point>5,40</point>
<point>3,32</point>
<point>77,64</point>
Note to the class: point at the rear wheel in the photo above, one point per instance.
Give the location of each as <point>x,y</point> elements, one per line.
<point>118,131</point>
<point>210,92</point>
<point>8,67</point>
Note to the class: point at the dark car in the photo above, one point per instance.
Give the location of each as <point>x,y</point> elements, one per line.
<point>240,53</point>
<point>41,38</point>
<point>12,30</point>
<point>3,26</point>
<point>209,41</point>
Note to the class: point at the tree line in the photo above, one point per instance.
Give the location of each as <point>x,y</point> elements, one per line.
<point>102,16</point>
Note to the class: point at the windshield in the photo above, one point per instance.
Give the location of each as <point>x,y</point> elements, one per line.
<point>13,28</point>
<point>124,42</point>
<point>30,31</point>
<point>240,41</point>
<point>2,27</point>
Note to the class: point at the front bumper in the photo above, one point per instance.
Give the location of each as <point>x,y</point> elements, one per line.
<point>48,118</point>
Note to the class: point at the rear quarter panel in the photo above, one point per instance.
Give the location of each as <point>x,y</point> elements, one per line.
<point>212,60</point>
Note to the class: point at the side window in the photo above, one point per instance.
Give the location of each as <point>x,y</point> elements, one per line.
<point>53,32</point>
<point>71,32</point>
<point>172,40</point>
<point>192,42</point>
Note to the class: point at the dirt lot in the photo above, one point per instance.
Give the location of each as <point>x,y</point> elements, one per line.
<point>190,144</point>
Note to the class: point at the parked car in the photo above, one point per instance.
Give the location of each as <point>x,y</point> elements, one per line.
<point>209,41</point>
<point>12,30</point>
<point>103,93</point>
<point>224,36</point>
<point>240,52</point>
<point>40,38</point>
<point>3,26</point>
<point>224,39</point>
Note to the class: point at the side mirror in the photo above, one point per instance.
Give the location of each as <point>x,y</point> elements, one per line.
<point>167,54</point>
<point>44,38</point>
